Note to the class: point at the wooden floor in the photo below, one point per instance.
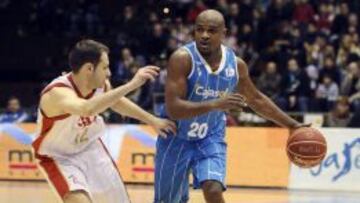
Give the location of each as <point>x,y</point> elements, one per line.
<point>40,192</point>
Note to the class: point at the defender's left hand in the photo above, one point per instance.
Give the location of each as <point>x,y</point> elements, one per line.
<point>164,126</point>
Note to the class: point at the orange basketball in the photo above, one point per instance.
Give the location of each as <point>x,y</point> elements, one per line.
<point>306,147</point>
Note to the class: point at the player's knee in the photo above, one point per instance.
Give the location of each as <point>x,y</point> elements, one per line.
<point>212,191</point>
<point>77,197</point>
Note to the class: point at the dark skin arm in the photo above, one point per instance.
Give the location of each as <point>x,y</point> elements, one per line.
<point>178,107</point>
<point>260,103</point>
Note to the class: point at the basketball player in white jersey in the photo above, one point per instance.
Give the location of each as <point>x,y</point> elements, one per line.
<point>69,149</point>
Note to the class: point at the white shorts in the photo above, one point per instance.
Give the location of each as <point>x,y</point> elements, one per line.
<point>91,170</point>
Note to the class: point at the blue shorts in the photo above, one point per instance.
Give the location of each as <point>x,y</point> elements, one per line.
<point>176,158</point>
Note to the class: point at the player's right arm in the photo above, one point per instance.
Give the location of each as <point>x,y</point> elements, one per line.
<point>63,100</point>
<point>177,106</point>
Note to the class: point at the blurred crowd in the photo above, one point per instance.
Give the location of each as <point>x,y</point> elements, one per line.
<point>303,54</point>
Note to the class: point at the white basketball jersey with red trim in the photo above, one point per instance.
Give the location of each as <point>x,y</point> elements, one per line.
<point>67,134</point>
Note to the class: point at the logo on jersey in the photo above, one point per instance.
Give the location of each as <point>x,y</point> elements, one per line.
<point>199,71</point>
<point>198,63</point>
<point>85,121</point>
<point>229,72</point>
<point>75,180</point>
<point>207,92</point>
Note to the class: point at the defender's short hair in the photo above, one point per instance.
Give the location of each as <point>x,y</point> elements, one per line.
<point>86,51</point>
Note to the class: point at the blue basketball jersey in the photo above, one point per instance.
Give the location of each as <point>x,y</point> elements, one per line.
<point>202,85</point>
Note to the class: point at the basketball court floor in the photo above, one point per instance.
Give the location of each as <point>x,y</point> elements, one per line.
<point>40,192</point>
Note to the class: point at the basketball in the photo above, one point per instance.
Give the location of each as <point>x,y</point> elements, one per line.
<point>306,147</point>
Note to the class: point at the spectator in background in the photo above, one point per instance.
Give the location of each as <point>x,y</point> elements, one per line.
<point>355,48</point>
<point>269,83</point>
<point>340,23</point>
<point>355,120</point>
<point>141,96</point>
<point>128,22</point>
<point>340,115</point>
<point>329,51</point>
<point>347,47</point>
<point>296,84</point>
<point>92,20</point>
<point>231,38</point>
<point>233,17</point>
<point>331,70</point>
<point>303,12</point>
<point>240,14</point>
<point>172,45</point>
<point>296,44</point>
<point>246,15</point>
<point>350,85</point>
<point>311,33</point>
<point>245,45</point>
<point>316,51</point>
<point>324,19</point>
<point>353,21</point>
<point>355,100</point>
<point>278,11</point>
<point>180,32</point>
<point>326,93</point>
<point>313,73</point>
<point>122,68</point>
<point>195,11</point>
<point>222,6</point>
<point>13,113</point>
<point>157,41</point>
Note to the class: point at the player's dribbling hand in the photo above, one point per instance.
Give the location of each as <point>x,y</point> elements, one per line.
<point>299,125</point>
<point>144,74</point>
<point>229,102</point>
<point>164,127</point>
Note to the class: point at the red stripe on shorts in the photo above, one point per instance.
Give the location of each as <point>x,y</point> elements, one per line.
<point>55,175</point>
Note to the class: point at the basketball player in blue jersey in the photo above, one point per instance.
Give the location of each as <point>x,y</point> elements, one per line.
<point>204,79</point>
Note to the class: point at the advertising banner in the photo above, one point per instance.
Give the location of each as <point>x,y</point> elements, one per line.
<point>135,153</point>
<point>255,157</point>
<point>17,160</point>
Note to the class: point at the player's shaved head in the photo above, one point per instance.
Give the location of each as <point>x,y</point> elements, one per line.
<point>209,31</point>
<point>211,16</point>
